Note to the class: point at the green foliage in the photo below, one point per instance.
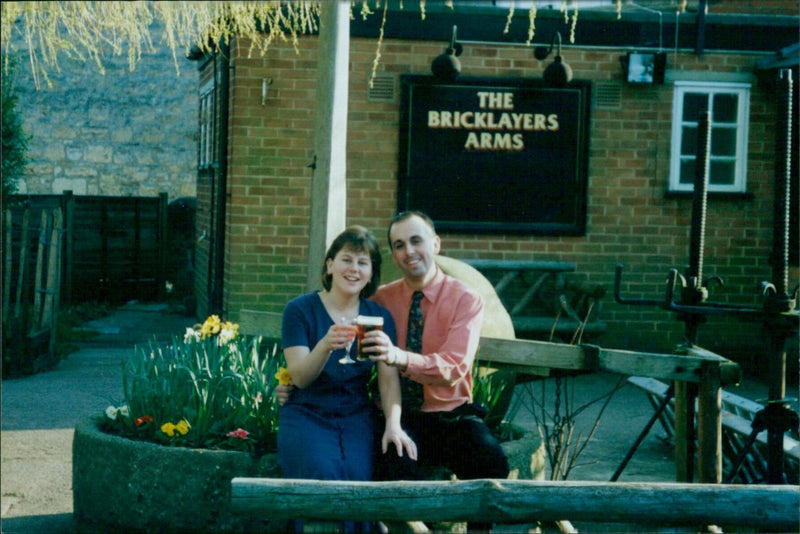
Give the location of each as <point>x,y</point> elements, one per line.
<point>210,390</point>
<point>488,391</point>
<point>15,142</point>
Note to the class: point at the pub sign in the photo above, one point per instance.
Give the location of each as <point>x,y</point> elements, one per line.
<point>495,154</point>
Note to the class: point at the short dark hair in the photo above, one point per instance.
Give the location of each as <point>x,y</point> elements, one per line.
<point>403,215</point>
<point>361,240</point>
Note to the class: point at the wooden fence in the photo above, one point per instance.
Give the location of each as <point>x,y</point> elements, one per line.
<point>773,508</point>
<point>31,295</point>
<point>114,249</point>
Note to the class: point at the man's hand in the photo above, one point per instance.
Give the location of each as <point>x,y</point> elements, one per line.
<point>283,393</point>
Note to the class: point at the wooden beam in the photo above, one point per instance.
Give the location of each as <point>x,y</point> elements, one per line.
<point>328,190</point>
<point>538,355</point>
<point>774,508</point>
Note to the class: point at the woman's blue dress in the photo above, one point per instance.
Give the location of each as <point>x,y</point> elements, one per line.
<point>326,430</point>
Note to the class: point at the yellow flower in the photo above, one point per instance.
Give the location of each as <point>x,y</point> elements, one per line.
<point>183,427</point>
<point>211,326</point>
<point>283,376</point>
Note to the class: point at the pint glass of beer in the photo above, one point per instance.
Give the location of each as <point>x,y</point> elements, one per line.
<point>364,324</point>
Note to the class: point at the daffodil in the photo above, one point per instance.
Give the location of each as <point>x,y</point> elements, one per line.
<point>211,326</point>
<point>228,332</point>
<point>283,376</point>
<point>191,335</point>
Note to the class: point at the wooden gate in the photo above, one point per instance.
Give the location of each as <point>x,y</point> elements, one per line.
<point>114,248</point>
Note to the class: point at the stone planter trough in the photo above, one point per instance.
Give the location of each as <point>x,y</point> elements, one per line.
<point>134,486</point>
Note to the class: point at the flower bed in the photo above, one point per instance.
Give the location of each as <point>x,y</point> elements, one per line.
<point>121,484</point>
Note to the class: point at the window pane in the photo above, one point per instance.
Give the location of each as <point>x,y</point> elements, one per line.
<point>693,105</point>
<point>687,171</point>
<point>723,141</point>
<point>725,107</point>
<point>689,141</point>
<point>721,172</point>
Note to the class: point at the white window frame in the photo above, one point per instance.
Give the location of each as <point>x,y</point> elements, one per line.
<point>206,126</point>
<point>739,184</point>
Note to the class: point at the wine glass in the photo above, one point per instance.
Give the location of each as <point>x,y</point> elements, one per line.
<point>350,325</point>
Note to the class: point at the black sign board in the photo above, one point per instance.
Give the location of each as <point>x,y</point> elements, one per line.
<point>495,154</point>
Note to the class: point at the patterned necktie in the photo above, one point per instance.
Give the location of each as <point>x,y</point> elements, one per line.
<point>412,391</point>
<point>414,335</point>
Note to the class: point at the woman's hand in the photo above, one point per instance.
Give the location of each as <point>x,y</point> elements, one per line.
<point>283,393</point>
<point>338,337</point>
<point>395,434</point>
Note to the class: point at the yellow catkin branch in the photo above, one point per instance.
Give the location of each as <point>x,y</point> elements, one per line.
<point>509,17</point>
<point>377,59</point>
<point>90,31</point>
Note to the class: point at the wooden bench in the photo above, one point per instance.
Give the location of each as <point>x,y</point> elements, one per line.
<point>542,298</point>
<point>774,508</point>
<point>737,417</point>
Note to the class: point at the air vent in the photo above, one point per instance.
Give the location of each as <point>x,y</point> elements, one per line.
<point>607,95</point>
<point>383,87</point>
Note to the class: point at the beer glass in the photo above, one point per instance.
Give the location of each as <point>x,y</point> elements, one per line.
<point>364,324</point>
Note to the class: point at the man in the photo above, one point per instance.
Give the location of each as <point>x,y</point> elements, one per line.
<point>447,427</point>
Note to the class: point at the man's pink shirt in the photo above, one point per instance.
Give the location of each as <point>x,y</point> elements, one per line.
<point>453,317</point>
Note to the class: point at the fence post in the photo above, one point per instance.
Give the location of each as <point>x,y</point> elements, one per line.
<point>163,228</point>
<point>51,290</point>
<point>7,221</point>
<point>23,262</point>
<point>709,425</point>
<point>37,282</point>
<point>685,395</point>
<point>68,212</point>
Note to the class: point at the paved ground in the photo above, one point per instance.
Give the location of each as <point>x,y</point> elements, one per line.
<point>39,414</point>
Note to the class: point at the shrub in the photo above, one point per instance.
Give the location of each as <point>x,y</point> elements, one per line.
<point>212,389</point>
<point>15,142</point>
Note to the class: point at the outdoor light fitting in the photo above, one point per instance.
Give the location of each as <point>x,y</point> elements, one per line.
<point>557,73</point>
<point>446,66</point>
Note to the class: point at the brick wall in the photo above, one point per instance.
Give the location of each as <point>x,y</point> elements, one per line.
<point>630,218</point>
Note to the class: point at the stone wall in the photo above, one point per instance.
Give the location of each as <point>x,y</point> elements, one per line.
<point>119,134</point>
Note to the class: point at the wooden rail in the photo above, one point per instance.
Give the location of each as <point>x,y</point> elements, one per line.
<point>774,508</point>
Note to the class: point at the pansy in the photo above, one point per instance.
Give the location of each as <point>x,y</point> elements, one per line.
<point>238,433</point>
<point>139,421</point>
<point>183,427</point>
<point>111,412</point>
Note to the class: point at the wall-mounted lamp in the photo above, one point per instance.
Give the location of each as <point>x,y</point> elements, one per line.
<point>265,83</point>
<point>446,66</point>
<point>557,73</point>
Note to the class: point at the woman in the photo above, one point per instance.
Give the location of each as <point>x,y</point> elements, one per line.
<point>326,427</point>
